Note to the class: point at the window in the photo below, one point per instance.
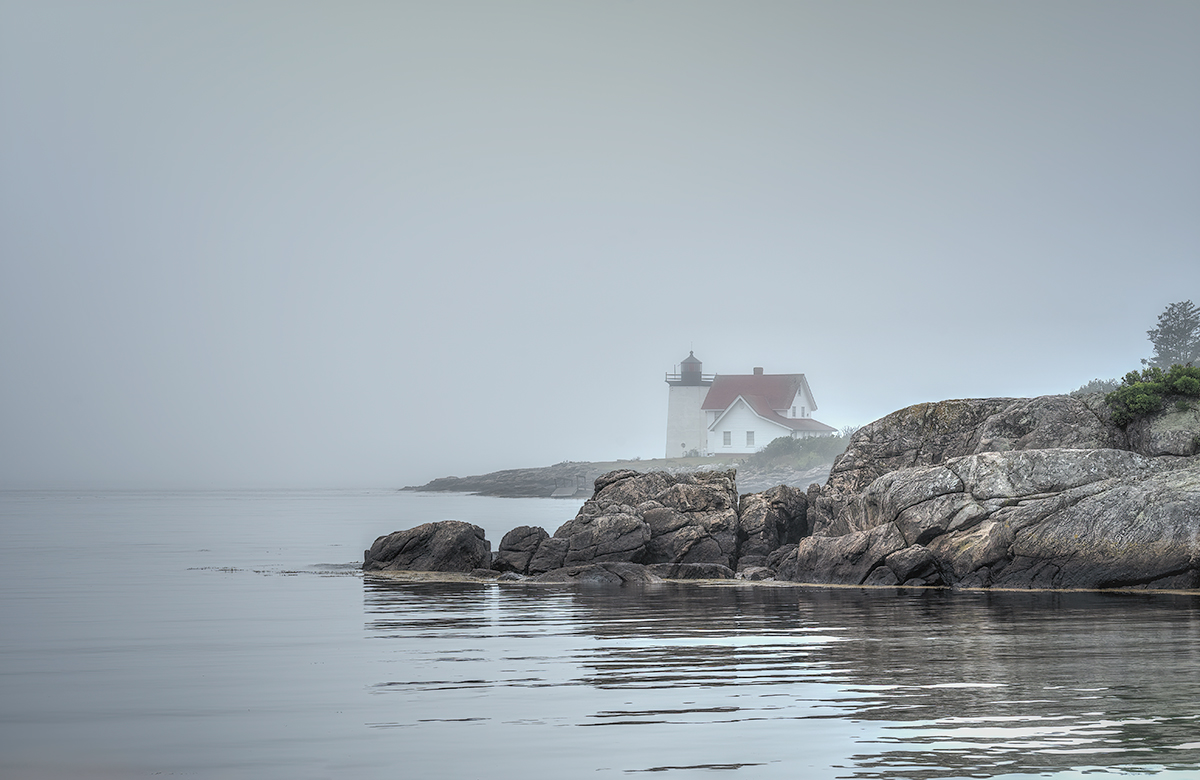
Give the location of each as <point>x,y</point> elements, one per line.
<point>728,438</point>
<point>802,411</point>
<point>749,438</point>
<point>793,411</point>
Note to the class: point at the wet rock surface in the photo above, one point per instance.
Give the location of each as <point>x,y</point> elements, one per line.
<point>656,518</point>
<point>518,547</point>
<point>676,526</point>
<point>449,545</point>
<point>691,571</point>
<point>599,574</point>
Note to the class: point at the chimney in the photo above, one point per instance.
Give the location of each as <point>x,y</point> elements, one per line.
<point>758,370</point>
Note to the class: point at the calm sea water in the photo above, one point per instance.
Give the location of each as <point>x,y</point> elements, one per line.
<point>230,635</point>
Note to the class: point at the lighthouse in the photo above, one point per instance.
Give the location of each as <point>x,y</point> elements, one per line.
<point>687,427</point>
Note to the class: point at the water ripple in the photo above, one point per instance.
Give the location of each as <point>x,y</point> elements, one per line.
<point>932,685</point>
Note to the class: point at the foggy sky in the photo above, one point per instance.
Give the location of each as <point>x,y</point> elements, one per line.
<point>327,244</point>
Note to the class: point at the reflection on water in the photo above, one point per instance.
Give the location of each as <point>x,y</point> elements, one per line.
<point>225,635</point>
<point>810,682</point>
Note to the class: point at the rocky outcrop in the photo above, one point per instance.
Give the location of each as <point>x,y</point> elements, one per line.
<point>1042,492</point>
<point>654,518</point>
<point>1174,431</point>
<point>930,433</point>
<point>991,492</point>
<point>550,555</point>
<point>448,545</point>
<point>680,526</point>
<point>518,547</point>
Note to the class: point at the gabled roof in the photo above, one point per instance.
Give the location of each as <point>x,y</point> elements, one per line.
<point>760,406</point>
<point>775,390</point>
<point>805,424</point>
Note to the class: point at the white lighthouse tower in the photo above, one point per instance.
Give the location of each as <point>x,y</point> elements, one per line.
<point>687,428</point>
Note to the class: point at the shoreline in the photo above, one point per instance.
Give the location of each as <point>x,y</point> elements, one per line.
<point>441,577</point>
<point>575,479</point>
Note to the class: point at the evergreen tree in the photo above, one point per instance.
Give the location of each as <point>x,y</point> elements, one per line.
<point>1177,337</point>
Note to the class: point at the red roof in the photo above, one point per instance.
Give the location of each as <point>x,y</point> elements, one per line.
<point>775,391</point>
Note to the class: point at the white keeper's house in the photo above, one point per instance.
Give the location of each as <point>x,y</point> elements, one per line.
<point>709,414</point>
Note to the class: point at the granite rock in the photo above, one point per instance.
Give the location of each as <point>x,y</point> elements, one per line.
<point>997,492</point>
<point>448,545</point>
<point>769,520</point>
<point>518,547</point>
<point>654,518</point>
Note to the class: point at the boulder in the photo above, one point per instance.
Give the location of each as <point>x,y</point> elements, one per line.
<point>847,559</point>
<point>448,545</point>
<point>1037,472</point>
<point>615,535</point>
<point>918,435</point>
<point>518,547</point>
<point>551,554</point>
<point>652,518</point>
<point>968,557</point>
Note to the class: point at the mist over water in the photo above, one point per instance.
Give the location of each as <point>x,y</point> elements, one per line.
<point>372,244</point>
<point>365,244</point>
<point>230,634</point>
